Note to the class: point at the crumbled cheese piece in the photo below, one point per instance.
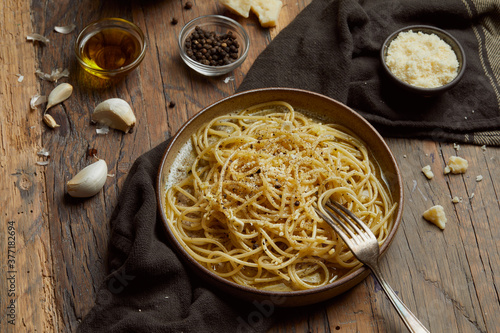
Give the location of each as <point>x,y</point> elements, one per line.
<point>422,60</point>
<point>266,10</point>
<point>436,215</point>
<point>456,200</point>
<point>457,147</point>
<point>456,165</point>
<point>483,147</point>
<point>240,7</point>
<point>428,172</point>
<point>479,178</point>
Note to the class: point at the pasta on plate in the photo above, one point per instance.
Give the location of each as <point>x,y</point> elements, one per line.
<point>244,206</point>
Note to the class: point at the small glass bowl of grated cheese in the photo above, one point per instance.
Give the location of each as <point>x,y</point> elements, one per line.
<point>423,59</point>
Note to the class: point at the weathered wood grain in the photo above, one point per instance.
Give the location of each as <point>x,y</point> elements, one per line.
<point>26,261</point>
<point>449,278</point>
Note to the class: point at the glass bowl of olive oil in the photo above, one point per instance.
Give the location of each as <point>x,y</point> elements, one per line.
<point>110,47</point>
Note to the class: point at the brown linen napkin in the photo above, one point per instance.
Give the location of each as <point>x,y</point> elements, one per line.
<point>332,48</point>
<point>149,289</point>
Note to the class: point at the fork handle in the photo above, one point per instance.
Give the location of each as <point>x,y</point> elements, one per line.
<point>411,322</point>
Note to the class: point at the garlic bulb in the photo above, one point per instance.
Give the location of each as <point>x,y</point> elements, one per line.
<point>59,94</point>
<point>89,181</point>
<point>115,113</point>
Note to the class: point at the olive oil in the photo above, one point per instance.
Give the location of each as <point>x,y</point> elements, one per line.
<point>110,49</point>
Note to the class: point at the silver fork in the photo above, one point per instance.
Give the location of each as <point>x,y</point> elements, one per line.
<point>365,248</point>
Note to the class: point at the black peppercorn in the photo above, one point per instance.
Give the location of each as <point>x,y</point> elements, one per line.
<point>188,5</point>
<point>208,48</point>
<point>91,152</point>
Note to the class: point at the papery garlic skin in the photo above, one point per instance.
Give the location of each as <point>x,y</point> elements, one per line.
<point>115,113</point>
<point>89,181</point>
<point>50,121</point>
<point>65,29</point>
<point>37,100</point>
<point>55,75</point>
<point>37,37</point>
<point>59,94</point>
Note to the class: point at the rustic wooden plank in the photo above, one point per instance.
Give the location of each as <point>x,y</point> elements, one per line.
<point>26,288</point>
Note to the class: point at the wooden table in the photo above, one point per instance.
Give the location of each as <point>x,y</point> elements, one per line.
<point>450,278</point>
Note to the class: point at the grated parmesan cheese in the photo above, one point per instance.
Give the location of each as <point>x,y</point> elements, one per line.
<point>422,60</point>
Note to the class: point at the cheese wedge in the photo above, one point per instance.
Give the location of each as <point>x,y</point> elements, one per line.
<point>436,215</point>
<point>240,7</point>
<point>266,10</point>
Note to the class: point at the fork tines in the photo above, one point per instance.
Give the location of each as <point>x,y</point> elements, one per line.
<point>341,216</point>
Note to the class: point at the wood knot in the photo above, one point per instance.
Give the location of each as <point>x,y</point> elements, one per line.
<point>25,183</point>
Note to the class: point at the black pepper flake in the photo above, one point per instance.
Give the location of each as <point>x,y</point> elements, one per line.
<point>174,21</point>
<point>188,5</point>
<point>91,152</point>
<point>171,104</point>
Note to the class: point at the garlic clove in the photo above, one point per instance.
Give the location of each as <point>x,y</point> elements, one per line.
<point>50,121</point>
<point>89,181</point>
<point>59,94</point>
<point>115,113</point>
